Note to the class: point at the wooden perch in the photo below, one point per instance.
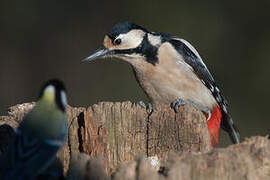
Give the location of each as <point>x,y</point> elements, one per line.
<point>249,160</point>
<point>118,132</point>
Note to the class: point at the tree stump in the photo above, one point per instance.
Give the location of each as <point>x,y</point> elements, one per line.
<point>249,160</point>
<point>122,135</point>
<point>119,131</point>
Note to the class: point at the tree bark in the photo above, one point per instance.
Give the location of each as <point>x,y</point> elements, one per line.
<point>122,134</point>
<point>249,160</point>
<point>120,131</point>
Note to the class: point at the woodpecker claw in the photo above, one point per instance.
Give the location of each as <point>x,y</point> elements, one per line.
<point>180,102</point>
<point>142,104</point>
<point>176,103</point>
<point>148,107</point>
<point>209,115</point>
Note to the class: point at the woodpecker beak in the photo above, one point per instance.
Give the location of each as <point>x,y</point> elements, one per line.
<point>99,53</point>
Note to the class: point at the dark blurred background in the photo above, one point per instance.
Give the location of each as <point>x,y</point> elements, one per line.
<point>44,39</point>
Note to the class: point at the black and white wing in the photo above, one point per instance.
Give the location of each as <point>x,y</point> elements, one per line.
<point>193,59</point>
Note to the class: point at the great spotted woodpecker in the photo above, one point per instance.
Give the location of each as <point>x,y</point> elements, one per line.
<point>170,70</point>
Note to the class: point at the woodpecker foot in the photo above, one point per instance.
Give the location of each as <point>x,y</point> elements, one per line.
<point>148,107</point>
<point>180,102</point>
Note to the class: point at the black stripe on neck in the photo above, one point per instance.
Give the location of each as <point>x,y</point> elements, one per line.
<point>145,49</point>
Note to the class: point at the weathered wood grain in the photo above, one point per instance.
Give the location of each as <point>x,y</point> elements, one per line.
<point>119,131</point>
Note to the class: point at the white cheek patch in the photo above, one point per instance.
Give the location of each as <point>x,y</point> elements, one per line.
<point>131,39</point>
<point>190,47</point>
<point>63,98</point>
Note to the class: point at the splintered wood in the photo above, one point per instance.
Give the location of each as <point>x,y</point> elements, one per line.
<point>127,140</point>
<point>119,131</point>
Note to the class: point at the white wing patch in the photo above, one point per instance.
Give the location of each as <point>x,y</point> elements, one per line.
<point>192,49</point>
<point>211,88</point>
<point>53,142</point>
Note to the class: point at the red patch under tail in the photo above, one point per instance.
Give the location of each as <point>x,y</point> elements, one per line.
<point>214,125</point>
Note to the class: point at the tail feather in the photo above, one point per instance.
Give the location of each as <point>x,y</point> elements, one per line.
<point>228,126</point>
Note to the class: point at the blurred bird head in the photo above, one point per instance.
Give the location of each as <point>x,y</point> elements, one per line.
<point>129,42</point>
<point>54,92</point>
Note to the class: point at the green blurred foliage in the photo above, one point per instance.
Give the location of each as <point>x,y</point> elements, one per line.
<point>47,39</point>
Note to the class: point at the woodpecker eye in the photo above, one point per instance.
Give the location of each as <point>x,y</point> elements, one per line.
<point>117,41</point>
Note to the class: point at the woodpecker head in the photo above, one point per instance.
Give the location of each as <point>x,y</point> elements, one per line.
<point>129,42</point>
